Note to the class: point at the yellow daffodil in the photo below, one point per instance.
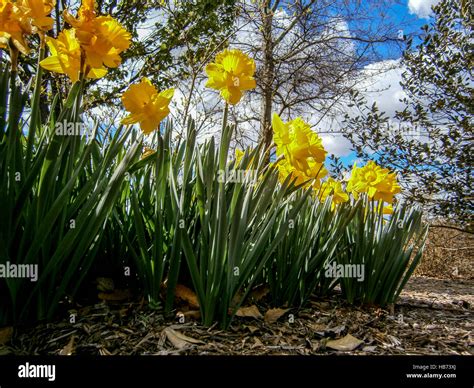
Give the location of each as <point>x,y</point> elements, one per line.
<point>297,141</point>
<point>84,23</point>
<point>387,188</point>
<point>333,188</point>
<point>66,57</point>
<point>231,74</point>
<point>22,18</point>
<point>379,183</point>
<point>36,13</point>
<point>239,154</point>
<point>109,41</point>
<point>301,147</point>
<point>147,151</point>
<point>315,171</point>
<point>305,143</point>
<point>12,27</point>
<point>84,20</point>
<point>311,178</point>
<point>85,13</point>
<point>146,105</point>
<point>94,42</point>
<point>388,209</point>
<point>285,169</point>
<point>102,38</point>
<point>281,134</point>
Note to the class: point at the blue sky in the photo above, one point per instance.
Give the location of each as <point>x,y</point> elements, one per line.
<point>408,15</point>
<point>382,87</point>
<point>411,15</point>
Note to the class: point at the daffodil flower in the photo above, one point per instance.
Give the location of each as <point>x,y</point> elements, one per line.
<point>37,13</point>
<point>65,57</point>
<point>309,178</point>
<point>12,27</point>
<point>301,148</point>
<point>146,105</point>
<point>147,151</point>
<point>297,141</point>
<point>333,188</point>
<point>231,74</point>
<point>379,183</point>
<point>102,38</point>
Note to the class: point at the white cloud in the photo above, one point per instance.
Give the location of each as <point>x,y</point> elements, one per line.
<point>147,27</point>
<point>421,8</point>
<point>383,86</point>
<point>336,144</point>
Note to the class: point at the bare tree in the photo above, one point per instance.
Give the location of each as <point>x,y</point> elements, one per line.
<point>310,55</point>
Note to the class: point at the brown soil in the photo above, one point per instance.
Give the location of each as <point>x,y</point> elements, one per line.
<point>432,317</point>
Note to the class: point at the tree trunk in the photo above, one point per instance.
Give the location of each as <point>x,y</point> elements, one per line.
<point>266,135</point>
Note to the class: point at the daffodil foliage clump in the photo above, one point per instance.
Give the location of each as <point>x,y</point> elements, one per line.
<point>177,211</point>
<point>61,178</point>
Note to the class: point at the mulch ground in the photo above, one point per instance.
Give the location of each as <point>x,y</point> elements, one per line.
<point>432,317</point>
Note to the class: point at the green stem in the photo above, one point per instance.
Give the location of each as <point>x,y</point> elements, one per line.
<point>76,116</point>
<point>35,102</point>
<point>224,140</point>
<point>226,114</point>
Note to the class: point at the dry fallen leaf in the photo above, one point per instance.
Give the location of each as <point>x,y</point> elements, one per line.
<point>251,312</point>
<point>252,329</point>
<point>189,315</point>
<point>394,341</point>
<point>236,300</point>
<point>105,284</point>
<point>69,348</point>
<point>5,334</point>
<point>192,314</point>
<point>346,343</point>
<point>123,312</point>
<point>272,315</point>
<point>179,340</point>
<point>145,339</point>
<point>187,295</point>
<point>116,296</point>
<point>259,293</point>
